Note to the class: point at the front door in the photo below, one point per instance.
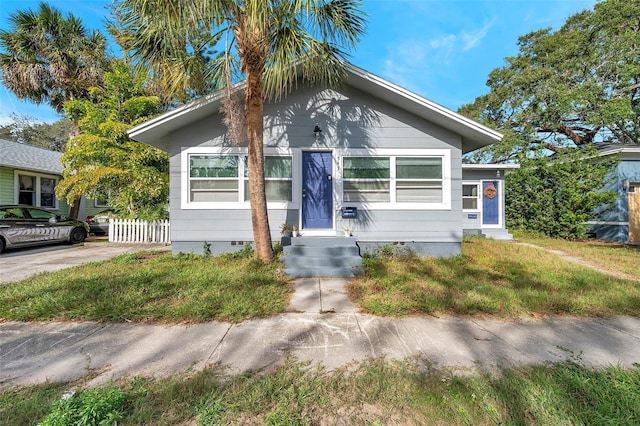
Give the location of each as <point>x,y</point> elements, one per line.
<point>317,190</point>
<point>634,213</point>
<point>490,203</point>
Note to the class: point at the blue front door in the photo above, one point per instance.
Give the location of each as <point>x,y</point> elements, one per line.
<point>317,190</point>
<point>490,203</point>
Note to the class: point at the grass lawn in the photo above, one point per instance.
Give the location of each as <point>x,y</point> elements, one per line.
<point>496,278</point>
<point>372,393</point>
<point>151,286</point>
<point>618,258</point>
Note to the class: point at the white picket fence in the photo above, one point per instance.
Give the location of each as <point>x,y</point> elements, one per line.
<point>139,231</point>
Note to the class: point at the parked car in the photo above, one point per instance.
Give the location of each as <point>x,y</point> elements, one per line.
<point>22,226</point>
<point>99,223</point>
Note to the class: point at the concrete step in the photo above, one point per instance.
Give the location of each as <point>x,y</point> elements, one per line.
<point>323,241</point>
<point>311,257</point>
<point>337,251</point>
<point>324,272</point>
<point>319,261</point>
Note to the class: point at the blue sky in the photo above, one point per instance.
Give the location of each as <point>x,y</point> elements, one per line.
<point>443,50</point>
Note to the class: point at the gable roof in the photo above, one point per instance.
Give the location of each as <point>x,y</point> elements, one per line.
<point>474,135</point>
<point>27,157</point>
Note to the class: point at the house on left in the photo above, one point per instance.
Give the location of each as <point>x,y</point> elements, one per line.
<point>29,175</point>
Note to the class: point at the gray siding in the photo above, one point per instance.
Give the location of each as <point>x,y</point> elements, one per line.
<point>349,120</point>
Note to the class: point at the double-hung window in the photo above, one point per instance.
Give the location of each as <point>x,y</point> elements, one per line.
<point>213,178</point>
<point>278,178</point>
<point>382,179</point>
<point>36,190</point>
<point>366,179</point>
<point>470,196</point>
<point>419,180</point>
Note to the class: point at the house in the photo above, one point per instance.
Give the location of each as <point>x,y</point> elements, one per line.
<point>621,223</point>
<point>29,175</point>
<point>370,157</point>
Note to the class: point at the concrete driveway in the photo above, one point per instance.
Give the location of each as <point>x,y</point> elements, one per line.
<point>19,264</point>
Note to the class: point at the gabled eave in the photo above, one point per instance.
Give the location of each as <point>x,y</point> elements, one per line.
<point>474,135</point>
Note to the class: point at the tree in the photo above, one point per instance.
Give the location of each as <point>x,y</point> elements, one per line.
<point>271,43</point>
<point>47,57</point>
<point>574,87</point>
<point>52,136</point>
<point>103,162</point>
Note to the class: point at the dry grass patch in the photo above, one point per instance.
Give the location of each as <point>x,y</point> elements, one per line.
<point>490,277</point>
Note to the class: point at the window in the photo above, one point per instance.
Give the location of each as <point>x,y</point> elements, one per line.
<point>419,180</point>
<point>213,178</point>
<point>366,179</point>
<point>36,190</point>
<point>395,180</point>
<point>221,178</point>
<point>470,196</point>
<point>27,194</point>
<point>278,178</point>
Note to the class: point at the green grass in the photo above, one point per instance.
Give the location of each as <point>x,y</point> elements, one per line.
<point>151,287</point>
<point>375,392</point>
<point>491,277</point>
<point>619,258</point>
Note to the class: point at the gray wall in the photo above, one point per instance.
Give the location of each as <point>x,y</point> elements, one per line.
<point>349,119</point>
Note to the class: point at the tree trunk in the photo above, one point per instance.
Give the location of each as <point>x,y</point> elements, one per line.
<point>255,130</point>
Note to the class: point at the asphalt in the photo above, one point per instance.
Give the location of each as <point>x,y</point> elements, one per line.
<point>321,326</point>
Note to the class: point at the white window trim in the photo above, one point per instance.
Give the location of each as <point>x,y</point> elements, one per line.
<point>478,184</point>
<point>445,154</point>
<point>38,176</point>
<point>186,204</point>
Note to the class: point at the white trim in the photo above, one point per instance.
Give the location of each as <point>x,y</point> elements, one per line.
<point>445,154</point>
<point>186,204</point>
<point>478,185</point>
<point>38,182</point>
<point>606,222</point>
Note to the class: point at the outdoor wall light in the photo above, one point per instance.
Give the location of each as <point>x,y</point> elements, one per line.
<point>625,184</point>
<point>497,173</point>
<point>317,131</point>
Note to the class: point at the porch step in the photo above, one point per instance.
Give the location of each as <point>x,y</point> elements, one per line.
<point>313,257</point>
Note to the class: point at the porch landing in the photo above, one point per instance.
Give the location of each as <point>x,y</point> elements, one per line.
<point>326,257</point>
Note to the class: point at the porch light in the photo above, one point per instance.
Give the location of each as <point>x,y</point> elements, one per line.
<point>497,173</point>
<point>625,184</point>
<point>317,131</point>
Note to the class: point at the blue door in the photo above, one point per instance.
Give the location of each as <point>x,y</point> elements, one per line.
<point>490,203</point>
<point>317,190</point>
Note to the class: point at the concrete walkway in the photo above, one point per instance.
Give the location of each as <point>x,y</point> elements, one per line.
<point>321,326</point>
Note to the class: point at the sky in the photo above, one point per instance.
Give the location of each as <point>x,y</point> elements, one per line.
<point>442,50</point>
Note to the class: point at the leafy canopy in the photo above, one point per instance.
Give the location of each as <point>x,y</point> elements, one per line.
<point>573,87</point>
<point>103,162</point>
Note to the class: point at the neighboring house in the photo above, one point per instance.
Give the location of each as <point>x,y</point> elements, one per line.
<point>622,222</point>
<point>370,149</point>
<point>29,175</point>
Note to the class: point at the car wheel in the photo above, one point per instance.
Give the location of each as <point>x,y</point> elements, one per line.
<point>77,235</point>
<point>2,245</point>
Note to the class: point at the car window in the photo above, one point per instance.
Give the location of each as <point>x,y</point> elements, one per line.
<point>40,214</point>
<point>11,213</point>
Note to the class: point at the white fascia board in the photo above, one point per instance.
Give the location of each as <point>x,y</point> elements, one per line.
<point>490,166</point>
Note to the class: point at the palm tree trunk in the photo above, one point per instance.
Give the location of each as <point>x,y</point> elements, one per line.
<point>255,130</point>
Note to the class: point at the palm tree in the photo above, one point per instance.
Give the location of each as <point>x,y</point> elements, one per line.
<point>272,42</point>
<point>49,58</point>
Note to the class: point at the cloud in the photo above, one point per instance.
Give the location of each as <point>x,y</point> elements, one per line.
<point>472,40</point>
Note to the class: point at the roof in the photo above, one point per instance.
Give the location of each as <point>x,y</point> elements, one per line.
<point>627,152</point>
<point>27,157</point>
<point>474,135</point>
